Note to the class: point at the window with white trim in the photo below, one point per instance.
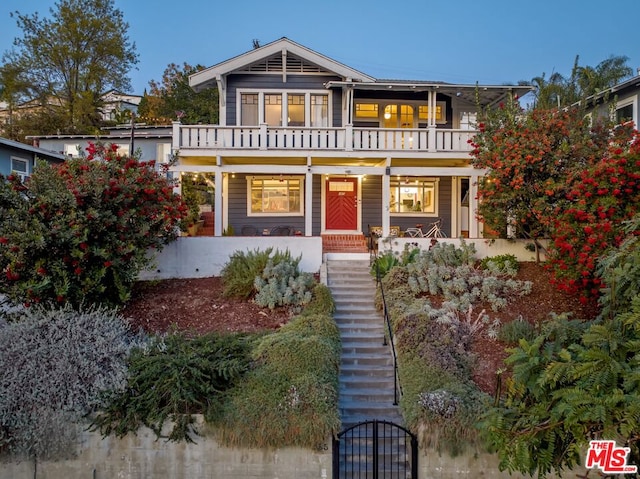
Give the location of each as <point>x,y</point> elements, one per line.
<point>626,111</point>
<point>277,108</point>
<point>273,109</point>
<point>20,168</point>
<point>249,109</point>
<point>72,150</point>
<point>271,196</point>
<point>414,196</point>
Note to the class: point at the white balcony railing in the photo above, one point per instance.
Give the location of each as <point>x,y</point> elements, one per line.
<point>298,138</point>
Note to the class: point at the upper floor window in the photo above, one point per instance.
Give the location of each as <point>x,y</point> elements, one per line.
<point>398,115</point>
<point>284,108</point>
<point>279,195</point>
<point>273,110</point>
<point>416,196</point>
<point>249,109</point>
<point>423,112</point>
<point>320,110</point>
<point>20,167</point>
<point>625,111</point>
<point>295,110</point>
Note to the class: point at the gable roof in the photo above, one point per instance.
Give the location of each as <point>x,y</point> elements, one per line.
<point>282,55</point>
<point>16,145</point>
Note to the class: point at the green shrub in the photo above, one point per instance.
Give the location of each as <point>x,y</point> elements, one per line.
<point>240,272</point>
<point>440,406</point>
<point>172,379</point>
<point>54,366</point>
<point>290,398</point>
<point>383,264</point>
<point>515,330</point>
<point>282,284</point>
<point>321,301</point>
<point>502,263</point>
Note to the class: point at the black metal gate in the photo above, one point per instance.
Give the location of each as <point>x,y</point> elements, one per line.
<point>375,450</point>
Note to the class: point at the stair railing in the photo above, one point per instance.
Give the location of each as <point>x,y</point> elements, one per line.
<point>397,388</point>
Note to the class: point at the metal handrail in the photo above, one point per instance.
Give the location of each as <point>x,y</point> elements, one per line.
<point>397,388</point>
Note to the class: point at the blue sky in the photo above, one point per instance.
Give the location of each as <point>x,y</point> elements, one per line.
<point>466,41</point>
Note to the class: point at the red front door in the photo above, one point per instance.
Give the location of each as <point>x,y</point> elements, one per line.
<point>342,204</point>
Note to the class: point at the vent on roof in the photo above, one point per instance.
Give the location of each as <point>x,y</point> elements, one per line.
<point>294,65</point>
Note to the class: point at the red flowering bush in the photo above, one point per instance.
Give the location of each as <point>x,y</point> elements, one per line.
<point>80,232</point>
<point>555,174</point>
<point>527,156</point>
<point>600,198</point>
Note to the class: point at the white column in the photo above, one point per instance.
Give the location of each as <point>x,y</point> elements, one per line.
<point>386,199</point>
<point>308,202</point>
<point>455,207</point>
<point>218,208</point>
<point>474,226</point>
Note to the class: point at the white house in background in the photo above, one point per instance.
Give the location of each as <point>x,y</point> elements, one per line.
<point>115,102</point>
<point>621,100</point>
<point>152,142</point>
<point>312,144</point>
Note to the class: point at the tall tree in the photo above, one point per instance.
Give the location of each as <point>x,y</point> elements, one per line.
<point>559,91</point>
<point>174,97</point>
<point>73,57</point>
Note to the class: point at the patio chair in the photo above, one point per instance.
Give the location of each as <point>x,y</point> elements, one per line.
<point>248,230</point>
<point>282,231</point>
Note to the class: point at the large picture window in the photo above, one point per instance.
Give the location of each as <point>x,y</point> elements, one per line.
<point>289,108</point>
<point>275,196</point>
<point>414,196</point>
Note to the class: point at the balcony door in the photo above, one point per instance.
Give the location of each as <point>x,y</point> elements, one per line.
<point>398,116</point>
<point>342,204</point>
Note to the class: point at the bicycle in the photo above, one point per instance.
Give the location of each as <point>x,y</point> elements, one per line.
<point>434,232</point>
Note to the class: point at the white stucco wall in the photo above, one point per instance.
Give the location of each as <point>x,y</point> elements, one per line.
<point>205,256</point>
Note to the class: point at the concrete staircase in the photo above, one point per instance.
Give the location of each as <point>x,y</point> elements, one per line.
<point>366,371</point>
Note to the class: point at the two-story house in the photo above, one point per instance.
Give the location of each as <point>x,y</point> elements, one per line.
<point>308,142</point>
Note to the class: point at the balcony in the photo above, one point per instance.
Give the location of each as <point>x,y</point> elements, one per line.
<point>298,139</point>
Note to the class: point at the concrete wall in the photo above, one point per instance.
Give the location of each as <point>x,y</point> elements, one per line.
<point>483,247</point>
<point>144,457</point>
<point>205,256</point>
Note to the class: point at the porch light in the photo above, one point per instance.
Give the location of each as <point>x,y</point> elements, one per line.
<point>387,115</point>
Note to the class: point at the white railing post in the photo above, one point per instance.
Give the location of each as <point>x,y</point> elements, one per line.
<point>175,136</point>
<point>432,138</point>
<point>348,140</point>
<point>264,141</point>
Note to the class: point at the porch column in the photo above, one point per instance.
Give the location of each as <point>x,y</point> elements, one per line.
<point>474,230</point>
<point>386,199</point>
<point>455,207</point>
<point>175,137</point>
<point>218,207</point>
<point>431,121</point>
<point>308,203</point>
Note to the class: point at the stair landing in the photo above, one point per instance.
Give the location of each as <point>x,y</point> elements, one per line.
<point>344,243</point>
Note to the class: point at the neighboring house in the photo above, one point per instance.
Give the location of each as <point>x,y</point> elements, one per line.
<point>622,101</point>
<point>307,142</point>
<point>19,159</point>
<point>152,142</point>
<point>115,103</point>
